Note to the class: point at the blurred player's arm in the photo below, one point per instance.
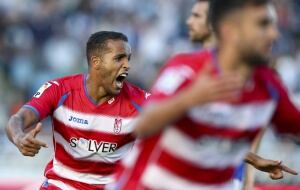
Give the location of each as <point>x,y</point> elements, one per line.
<point>206,88</point>
<point>26,142</point>
<point>286,119</point>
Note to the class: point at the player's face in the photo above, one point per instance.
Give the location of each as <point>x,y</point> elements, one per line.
<point>197,22</point>
<point>115,66</point>
<point>257,33</point>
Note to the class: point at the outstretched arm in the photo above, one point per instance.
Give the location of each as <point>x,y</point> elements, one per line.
<point>274,168</point>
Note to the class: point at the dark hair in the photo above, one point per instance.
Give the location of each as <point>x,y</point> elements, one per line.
<point>219,9</point>
<point>97,42</point>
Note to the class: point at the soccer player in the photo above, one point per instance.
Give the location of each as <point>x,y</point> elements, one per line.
<point>92,117</point>
<point>194,138</point>
<point>200,31</point>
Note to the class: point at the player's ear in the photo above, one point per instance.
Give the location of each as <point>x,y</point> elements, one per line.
<point>95,62</point>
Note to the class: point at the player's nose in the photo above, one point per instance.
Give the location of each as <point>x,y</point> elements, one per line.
<point>188,21</point>
<point>273,33</point>
<point>126,64</point>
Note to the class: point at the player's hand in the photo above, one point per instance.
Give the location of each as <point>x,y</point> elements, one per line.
<point>275,168</point>
<point>27,144</point>
<point>208,88</point>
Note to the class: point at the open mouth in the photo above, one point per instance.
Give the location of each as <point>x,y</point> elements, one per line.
<point>120,79</point>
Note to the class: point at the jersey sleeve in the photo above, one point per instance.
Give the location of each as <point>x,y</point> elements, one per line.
<point>45,100</point>
<point>171,79</point>
<point>287,117</point>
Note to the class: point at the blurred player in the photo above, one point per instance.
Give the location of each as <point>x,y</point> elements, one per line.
<point>207,107</point>
<point>92,117</point>
<point>200,31</point>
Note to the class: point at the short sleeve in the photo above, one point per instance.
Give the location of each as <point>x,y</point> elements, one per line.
<point>287,117</point>
<point>173,77</point>
<point>45,100</point>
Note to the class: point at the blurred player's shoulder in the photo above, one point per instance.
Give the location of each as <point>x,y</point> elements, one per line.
<point>135,93</point>
<point>195,60</point>
<point>267,73</point>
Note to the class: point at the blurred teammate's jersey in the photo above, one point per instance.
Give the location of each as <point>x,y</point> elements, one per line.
<point>202,149</point>
<point>88,138</point>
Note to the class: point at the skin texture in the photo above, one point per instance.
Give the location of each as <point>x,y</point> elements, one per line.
<point>101,86</point>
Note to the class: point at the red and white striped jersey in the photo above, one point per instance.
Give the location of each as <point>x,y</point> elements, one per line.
<point>203,148</point>
<point>88,138</point>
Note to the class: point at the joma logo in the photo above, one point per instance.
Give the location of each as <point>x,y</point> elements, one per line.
<point>78,120</point>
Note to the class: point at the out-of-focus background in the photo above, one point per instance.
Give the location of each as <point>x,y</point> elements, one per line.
<point>45,39</point>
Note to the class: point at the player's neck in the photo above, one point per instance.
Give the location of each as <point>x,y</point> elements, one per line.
<point>96,91</point>
<point>230,61</point>
<point>209,42</point>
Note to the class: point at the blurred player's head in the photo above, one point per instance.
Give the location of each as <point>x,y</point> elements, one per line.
<point>199,29</point>
<point>108,55</point>
<point>246,26</point>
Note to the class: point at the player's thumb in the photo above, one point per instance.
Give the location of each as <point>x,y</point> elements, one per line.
<point>277,162</point>
<point>36,130</point>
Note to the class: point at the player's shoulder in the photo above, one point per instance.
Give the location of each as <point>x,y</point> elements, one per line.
<point>134,92</point>
<point>194,60</point>
<point>70,82</point>
<point>268,73</point>
<point>270,77</point>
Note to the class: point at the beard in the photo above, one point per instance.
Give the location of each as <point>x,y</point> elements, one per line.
<point>254,59</point>
<point>199,38</point>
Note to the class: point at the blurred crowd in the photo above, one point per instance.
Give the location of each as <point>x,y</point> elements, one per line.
<point>45,39</point>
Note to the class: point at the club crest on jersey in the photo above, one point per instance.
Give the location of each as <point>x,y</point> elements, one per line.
<point>117,126</point>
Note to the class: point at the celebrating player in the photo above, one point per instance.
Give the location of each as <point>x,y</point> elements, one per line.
<point>197,137</point>
<point>92,117</point>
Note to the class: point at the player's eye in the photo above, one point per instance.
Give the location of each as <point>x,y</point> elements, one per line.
<point>264,22</point>
<point>121,57</point>
<point>196,15</point>
<point>118,59</point>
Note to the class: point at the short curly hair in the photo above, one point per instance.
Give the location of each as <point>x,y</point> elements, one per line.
<point>97,42</point>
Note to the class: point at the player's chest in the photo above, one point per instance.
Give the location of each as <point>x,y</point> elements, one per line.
<point>254,109</point>
<point>115,119</point>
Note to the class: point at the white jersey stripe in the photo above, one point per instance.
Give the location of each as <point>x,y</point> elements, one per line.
<point>92,122</point>
<point>157,178</point>
<point>81,151</point>
<point>65,172</point>
<point>132,156</point>
<point>204,152</point>
<point>60,184</point>
<point>234,116</point>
